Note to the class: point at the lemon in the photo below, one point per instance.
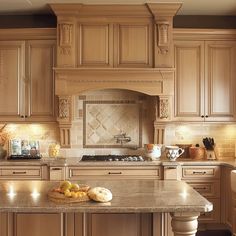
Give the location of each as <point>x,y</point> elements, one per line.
<point>68,193</point>
<point>74,187</point>
<point>65,185</point>
<point>74,194</point>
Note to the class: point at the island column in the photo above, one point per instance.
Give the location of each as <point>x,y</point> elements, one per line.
<point>184,223</point>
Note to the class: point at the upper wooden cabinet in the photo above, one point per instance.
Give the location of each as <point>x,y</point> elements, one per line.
<point>115,35</point>
<point>115,45</point>
<point>27,78</point>
<point>204,78</point>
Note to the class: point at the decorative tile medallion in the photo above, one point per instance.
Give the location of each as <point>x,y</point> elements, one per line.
<point>112,124</point>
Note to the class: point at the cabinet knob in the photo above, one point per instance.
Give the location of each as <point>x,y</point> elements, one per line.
<point>21,116</point>
<point>206,116</point>
<point>202,116</point>
<point>26,116</point>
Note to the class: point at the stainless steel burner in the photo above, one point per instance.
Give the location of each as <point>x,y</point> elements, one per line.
<point>112,158</point>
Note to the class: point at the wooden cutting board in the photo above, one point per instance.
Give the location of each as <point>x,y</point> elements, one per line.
<point>61,198</point>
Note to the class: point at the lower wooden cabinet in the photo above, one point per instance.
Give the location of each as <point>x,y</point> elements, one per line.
<point>21,172</point>
<point>206,181</point>
<point>26,224</point>
<point>145,172</point>
<point>78,224</point>
<point>133,224</point>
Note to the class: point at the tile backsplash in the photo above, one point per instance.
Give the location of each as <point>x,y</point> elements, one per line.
<point>44,133</point>
<point>224,136</point>
<point>99,115</point>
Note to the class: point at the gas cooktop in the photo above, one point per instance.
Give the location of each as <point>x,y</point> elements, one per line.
<point>112,158</point>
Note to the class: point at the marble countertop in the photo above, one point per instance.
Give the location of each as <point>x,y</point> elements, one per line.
<point>231,162</point>
<point>128,196</point>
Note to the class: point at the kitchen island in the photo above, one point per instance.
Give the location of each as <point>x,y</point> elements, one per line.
<point>29,199</point>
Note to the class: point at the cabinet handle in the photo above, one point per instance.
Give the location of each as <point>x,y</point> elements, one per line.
<point>202,116</point>
<point>114,173</point>
<point>171,167</point>
<point>70,173</point>
<point>56,168</point>
<point>200,188</point>
<point>199,172</point>
<point>19,172</point>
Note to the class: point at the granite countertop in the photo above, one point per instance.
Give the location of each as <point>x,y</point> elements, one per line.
<point>128,196</point>
<point>231,162</point>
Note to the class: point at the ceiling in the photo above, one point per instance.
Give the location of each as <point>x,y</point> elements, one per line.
<point>190,7</point>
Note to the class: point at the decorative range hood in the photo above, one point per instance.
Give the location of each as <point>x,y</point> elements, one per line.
<point>113,47</point>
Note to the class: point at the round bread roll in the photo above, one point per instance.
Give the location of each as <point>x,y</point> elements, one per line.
<point>100,194</point>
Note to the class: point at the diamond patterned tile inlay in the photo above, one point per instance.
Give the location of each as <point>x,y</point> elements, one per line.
<point>106,119</point>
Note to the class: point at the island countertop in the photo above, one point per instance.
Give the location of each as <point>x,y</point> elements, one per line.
<point>128,196</point>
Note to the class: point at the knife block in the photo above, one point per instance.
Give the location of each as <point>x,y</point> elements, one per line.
<point>210,155</point>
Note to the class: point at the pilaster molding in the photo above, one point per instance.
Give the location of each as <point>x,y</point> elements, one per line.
<point>159,133</point>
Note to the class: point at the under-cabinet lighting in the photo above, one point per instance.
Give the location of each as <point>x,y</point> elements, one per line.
<point>35,194</point>
<point>11,193</point>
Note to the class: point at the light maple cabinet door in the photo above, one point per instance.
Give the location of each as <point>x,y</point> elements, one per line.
<point>204,80</point>
<point>26,224</point>
<point>129,224</point>
<point>133,45</point>
<point>95,48</point>
<point>226,199</point>
<point>40,80</point>
<point>220,61</point>
<point>189,80</point>
<point>11,80</point>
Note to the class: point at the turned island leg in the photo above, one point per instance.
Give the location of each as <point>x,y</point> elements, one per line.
<point>184,224</point>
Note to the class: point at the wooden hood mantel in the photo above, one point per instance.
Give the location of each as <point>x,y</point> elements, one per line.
<point>114,47</point>
<point>152,81</point>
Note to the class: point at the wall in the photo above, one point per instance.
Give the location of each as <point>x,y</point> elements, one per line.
<point>180,21</point>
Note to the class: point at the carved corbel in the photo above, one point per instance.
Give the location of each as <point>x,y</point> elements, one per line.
<point>65,37</point>
<point>66,43</point>
<point>64,119</point>
<point>163,108</point>
<point>163,36</point>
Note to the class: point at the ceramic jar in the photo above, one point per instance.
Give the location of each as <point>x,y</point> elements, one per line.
<point>153,151</point>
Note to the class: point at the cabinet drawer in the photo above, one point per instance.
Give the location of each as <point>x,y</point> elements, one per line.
<point>21,173</point>
<point>133,173</point>
<point>203,172</point>
<point>206,189</point>
<point>57,173</point>
<point>213,216</point>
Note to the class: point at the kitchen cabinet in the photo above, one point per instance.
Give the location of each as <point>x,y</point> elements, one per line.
<point>111,172</point>
<point>226,197</point>
<point>204,78</point>
<point>115,224</point>
<point>57,173</point>
<point>132,224</point>
<point>21,172</point>
<point>206,181</point>
<point>27,80</point>
<point>126,44</point>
